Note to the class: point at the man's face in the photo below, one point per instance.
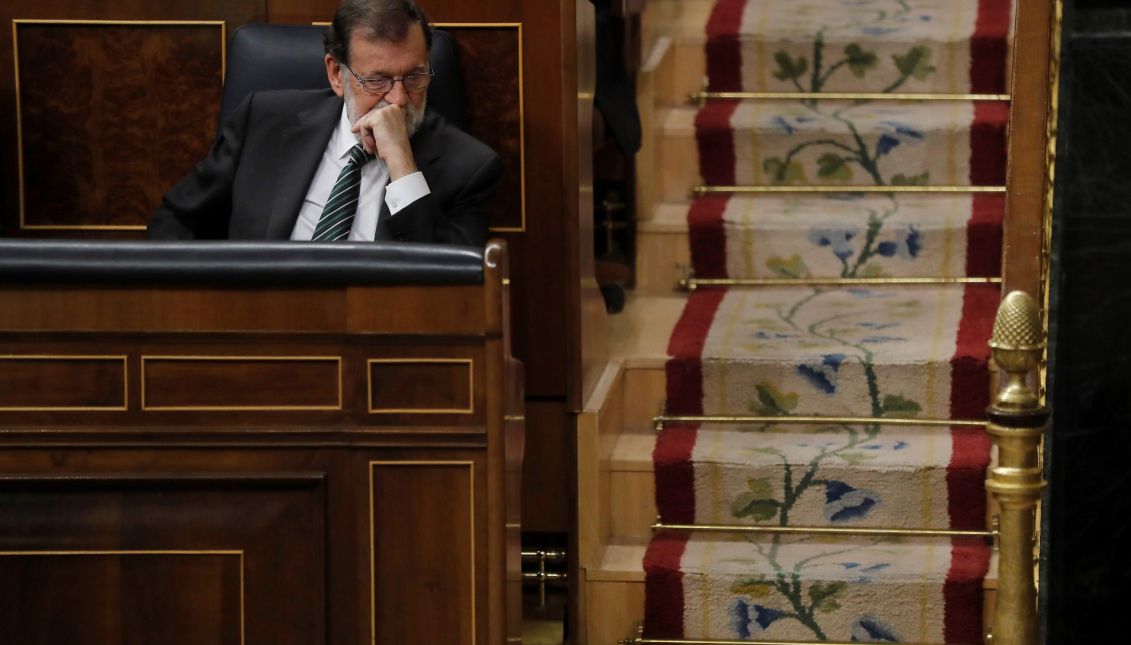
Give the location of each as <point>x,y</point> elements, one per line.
<point>371,58</point>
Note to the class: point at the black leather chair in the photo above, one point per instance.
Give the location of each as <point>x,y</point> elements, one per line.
<point>278,57</point>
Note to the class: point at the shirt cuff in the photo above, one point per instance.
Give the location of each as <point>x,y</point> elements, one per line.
<point>404,191</point>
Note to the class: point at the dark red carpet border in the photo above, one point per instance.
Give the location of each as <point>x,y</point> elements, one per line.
<point>714,137</point>
<point>984,235</point>
<point>988,134</point>
<point>969,371</point>
<point>675,473</point>
<point>966,477</point>
<point>724,51</point>
<point>707,236</point>
<point>989,47</point>
<point>684,370</point>
<point>663,585</point>
<point>962,592</point>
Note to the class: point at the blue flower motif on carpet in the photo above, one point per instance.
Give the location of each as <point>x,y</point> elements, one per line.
<point>838,239</point>
<point>905,130</point>
<point>869,629</point>
<point>905,245</point>
<point>749,619</point>
<point>823,374</point>
<point>886,144</point>
<point>784,125</point>
<point>844,503</point>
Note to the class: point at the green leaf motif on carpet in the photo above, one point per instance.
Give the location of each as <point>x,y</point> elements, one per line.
<point>856,458</point>
<point>824,595</point>
<point>794,267</point>
<point>911,180</point>
<point>773,403</point>
<point>758,502</point>
<point>915,63</point>
<point>756,588</point>
<point>783,172</point>
<point>859,60</point>
<point>833,166</point>
<point>789,68</point>
<point>898,406</point>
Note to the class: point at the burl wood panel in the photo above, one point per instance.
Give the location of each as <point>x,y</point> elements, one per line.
<point>436,386</point>
<point>41,382</point>
<point>111,116</point>
<point>168,598</point>
<point>241,555</point>
<point>492,82</point>
<point>241,383</point>
<point>423,561</point>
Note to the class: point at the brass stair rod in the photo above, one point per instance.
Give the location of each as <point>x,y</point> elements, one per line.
<point>846,189</point>
<point>699,97</point>
<point>1018,422</point>
<point>663,419</point>
<point>692,284</point>
<point>549,556</point>
<point>823,530</point>
<point>668,641</point>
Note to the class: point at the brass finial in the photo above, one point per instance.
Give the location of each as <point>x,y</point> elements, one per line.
<point>1017,343</point>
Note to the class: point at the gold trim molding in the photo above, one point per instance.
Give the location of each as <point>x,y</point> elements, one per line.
<point>470,465</point>
<point>74,357</point>
<point>155,552</point>
<point>469,362</point>
<point>23,225</point>
<point>240,408</point>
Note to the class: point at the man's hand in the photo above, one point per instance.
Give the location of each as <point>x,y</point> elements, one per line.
<point>384,132</point>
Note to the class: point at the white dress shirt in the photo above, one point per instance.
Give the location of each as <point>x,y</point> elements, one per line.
<point>374,186</point>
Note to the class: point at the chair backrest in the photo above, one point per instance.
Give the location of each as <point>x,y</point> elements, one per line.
<point>279,57</point>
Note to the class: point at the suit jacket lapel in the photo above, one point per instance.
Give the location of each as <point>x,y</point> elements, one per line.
<point>300,151</point>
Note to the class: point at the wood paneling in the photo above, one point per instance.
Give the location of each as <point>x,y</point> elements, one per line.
<point>490,60</point>
<point>427,534</point>
<point>62,382</point>
<point>233,12</point>
<point>546,496</point>
<point>241,383</point>
<point>175,556</point>
<point>140,101</point>
<point>112,597</point>
<point>423,562</point>
<point>1026,252</point>
<point>421,386</point>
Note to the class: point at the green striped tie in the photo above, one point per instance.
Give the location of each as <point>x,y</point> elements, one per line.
<point>341,206</point>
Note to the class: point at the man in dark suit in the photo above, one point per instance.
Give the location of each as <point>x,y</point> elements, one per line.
<point>361,161</point>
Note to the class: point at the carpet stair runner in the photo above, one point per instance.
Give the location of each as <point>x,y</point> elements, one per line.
<point>874,351</point>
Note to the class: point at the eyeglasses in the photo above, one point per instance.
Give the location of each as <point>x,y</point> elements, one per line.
<point>415,82</point>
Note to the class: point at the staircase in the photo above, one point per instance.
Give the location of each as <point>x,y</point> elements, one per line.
<point>806,417</point>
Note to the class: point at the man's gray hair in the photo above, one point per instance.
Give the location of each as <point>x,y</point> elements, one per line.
<point>387,20</point>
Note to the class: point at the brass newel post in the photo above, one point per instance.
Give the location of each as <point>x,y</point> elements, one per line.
<point>1017,423</point>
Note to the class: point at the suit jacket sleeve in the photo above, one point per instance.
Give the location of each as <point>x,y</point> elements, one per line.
<point>462,174</point>
<point>199,206</point>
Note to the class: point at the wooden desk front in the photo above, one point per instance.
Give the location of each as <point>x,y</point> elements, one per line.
<point>245,464</point>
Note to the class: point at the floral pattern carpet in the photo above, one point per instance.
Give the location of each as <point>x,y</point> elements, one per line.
<point>875,351</point>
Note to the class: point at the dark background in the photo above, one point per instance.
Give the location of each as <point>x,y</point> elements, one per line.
<point>1086,563</point>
